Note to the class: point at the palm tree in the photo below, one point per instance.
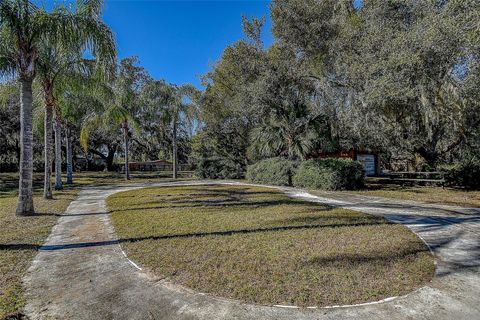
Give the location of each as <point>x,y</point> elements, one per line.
<point>75,104</point>
<point>22,28</point>
<point>291,132</point>
<point>20,24</point>
<point>115,116</point>
<point>78,97</point>
<point>176,104</point>
<point>68,147</point>
<point>128,85</point>
<point>182,108</point>
<point>120,111</point>
<point>60,62</point>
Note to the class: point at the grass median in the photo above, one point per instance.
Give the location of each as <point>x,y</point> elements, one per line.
<point>259,246</point>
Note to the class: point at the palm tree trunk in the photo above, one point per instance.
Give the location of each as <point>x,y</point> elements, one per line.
<point>69,156</point>
<point>175,151</point>
<point>48,128</point>
<point>58,153</point>
<point>25,184</point>
<point>125,140</point>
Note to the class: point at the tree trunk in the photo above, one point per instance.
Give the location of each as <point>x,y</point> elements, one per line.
<point>429,155</point>
<point>48,131</point>
<point>109,158</point>
<point>111,155</point>
<point>125,140</point>
<point>175,151</point>
<point>69,156</point>
<point>25,184</point>
<point>58,153</point>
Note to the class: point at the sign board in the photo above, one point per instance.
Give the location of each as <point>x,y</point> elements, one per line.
<point>368,162</point>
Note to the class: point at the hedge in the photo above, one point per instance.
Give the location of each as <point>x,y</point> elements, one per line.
<point>330,174</point>
<point>274,171</point>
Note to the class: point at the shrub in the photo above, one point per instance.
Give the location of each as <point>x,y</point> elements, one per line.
<point>274,171</point>
<point>219,168</point>
<point>330,174</point>
<point>465,174</point>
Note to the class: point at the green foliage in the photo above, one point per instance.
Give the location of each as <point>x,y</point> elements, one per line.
<point>290,125</point>
<point>404,87</point>
<point>330,174</point>
<point>218,158</point>
<point>273,171</point>
<point>219,168</point>
<point>465,174</point>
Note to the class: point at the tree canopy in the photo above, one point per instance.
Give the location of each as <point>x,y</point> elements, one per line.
<point>397,77</point>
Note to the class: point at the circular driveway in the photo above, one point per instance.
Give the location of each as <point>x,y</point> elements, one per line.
<point>81,271</point>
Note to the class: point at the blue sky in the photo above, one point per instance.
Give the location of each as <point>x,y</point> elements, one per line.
<point>179,40</point>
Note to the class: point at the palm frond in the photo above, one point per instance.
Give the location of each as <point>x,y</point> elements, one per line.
<point>77,32</point>
<point>91,8</point>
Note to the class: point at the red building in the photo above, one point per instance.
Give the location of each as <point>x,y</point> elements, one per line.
<point>157,165</point>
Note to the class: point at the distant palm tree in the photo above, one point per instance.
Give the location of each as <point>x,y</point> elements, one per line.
<point>115,116</point>
<point>23,27</point>
<point>79,98</point>
<point>174,104</point>
<point>120,110</point>
<point>288,132</point>
<point>183,108</point>
<point>59,62</point>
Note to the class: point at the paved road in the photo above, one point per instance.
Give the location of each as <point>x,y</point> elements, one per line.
<point>82,273</point>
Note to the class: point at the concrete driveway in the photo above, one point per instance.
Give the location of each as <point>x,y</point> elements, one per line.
<point>81,271</point>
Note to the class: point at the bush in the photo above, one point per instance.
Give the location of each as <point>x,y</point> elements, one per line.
<point>465,174</point>
<point>219,168</point>
<point>330,174</point>
<point>274,171</point>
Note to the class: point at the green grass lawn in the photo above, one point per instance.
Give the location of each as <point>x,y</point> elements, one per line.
<point>259,246</point>
<point>15,257</point>
<point>19,241</point>
<point>439,195</point>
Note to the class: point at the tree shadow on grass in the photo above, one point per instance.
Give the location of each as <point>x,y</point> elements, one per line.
<point>51,214</point>
<point>418,209</point>
<point>323,219</point>
<point>231,193</point>
<point>351,259</point>
<point>230,203</point>
<point>468,259</point>
<point>20,246</point>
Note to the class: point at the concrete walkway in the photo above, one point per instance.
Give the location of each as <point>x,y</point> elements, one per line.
<point>82,273</point>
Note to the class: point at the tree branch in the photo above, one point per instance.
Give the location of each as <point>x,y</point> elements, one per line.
<point>98,153</point>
